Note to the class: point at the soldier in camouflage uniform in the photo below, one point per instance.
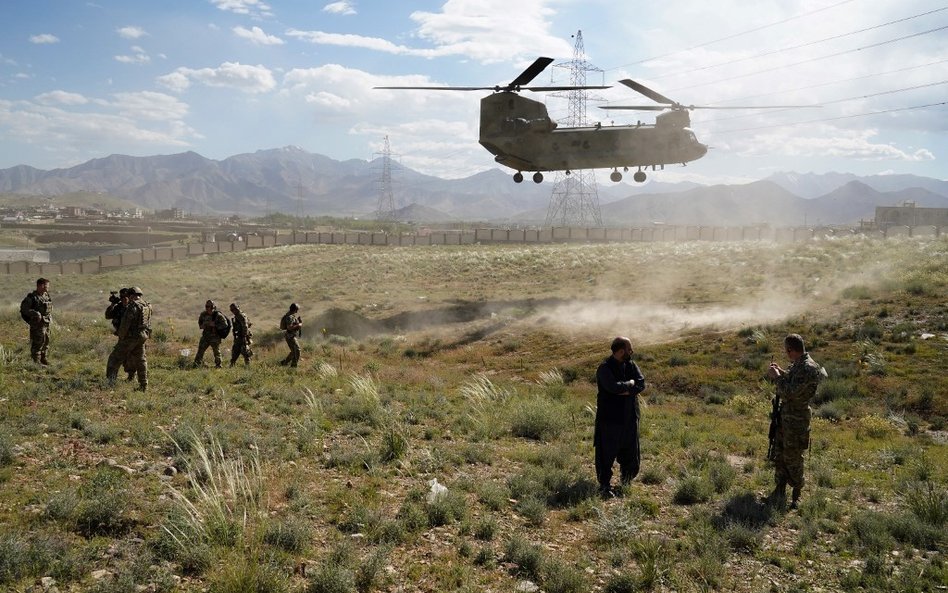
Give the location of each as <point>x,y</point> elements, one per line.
<point>210,321</point>
<point>243,339</point>
<point>796,386</point>
<point>114,313</point>
<point>37,310</point>
<point>134,330</point>
<point>292,326</point>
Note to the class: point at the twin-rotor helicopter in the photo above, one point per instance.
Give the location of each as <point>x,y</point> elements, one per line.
<point>521,135</point>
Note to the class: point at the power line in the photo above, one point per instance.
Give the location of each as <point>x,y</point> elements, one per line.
<point>800,46</point>
<point>816,59</point>
<point>841,117</point>
<point>837,101</point>
<point>832,82</point>
<point>735,35</point>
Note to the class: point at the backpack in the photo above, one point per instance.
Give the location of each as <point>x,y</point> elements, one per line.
<point>26,305</point>
<point>223,326</point>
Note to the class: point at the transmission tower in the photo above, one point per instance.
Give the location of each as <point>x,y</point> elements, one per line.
<point>575,198</point>
<point>386,207</point>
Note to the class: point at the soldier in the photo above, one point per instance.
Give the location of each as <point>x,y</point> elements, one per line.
<point>242,336</point>
<point>796,386</point>
<point>616,434</point>
<point>37,310</point>
<point>134,330</point>
<point>114,312</point>
<point>292,326</point>
<point>210,322</point>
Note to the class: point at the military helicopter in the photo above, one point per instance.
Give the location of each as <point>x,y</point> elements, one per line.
<point>521,135</point>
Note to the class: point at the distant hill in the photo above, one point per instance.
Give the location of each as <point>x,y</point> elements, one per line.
<point>276,180</point>
<point>812,185</point>
<point>80,199</point>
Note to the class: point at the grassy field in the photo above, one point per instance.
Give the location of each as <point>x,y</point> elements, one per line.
<point>474,366</point>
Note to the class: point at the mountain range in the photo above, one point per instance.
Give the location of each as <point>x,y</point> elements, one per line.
<point>286,178</point>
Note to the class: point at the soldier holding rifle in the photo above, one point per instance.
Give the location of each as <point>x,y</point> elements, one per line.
<point>790,419</point>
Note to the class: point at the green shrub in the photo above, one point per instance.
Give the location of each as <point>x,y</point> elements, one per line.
<point>368,574</point>
<point>291,535</point>
<point>445,509</point>
<point>331,577</point>
<point>741,538</point>
<point>533,510</point>
<point>559,577</point>
<point>615,526</point>
<point>692,490</point>
<point>652,475</point>
<point>493,495</point>
<point>485,529</point>
<point>721,475</point>
<point>929,502</point>
<point>6,450</point>
<point>526,557</point>
<point>394,443</point>
<point>620,583</point>
<point>538,419</point>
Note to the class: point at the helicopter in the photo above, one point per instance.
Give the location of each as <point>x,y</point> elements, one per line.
<point>521,135</point>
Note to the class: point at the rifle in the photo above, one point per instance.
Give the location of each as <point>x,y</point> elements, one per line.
<point>774,424</point>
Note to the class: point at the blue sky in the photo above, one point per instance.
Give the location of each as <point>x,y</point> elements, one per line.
<point>82,80</point>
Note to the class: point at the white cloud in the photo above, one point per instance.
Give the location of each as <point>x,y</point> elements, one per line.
<point>257,36</point>
<point>129,122</point>
<point>828,142</point>
<point>242,77</point>
<point>149,105</point>
<point>138,56</point>
<point>248,7</point>
<point>489,31</point>
<point>61,98</point>
<point>345,8</point>
<point>44,38</point>
<point>131,32</point>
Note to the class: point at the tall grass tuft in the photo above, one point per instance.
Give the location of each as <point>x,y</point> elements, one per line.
<point>225,502</point>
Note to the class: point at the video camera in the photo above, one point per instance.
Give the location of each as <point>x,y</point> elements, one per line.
<point>115,296</point>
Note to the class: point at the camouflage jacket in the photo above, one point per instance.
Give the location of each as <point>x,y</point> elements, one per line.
<point>136,321</point>
<point>241,327</point>
<point>796,388</point>
<point>37,307</point>
<point>288,321</point>
<point>210,322</point>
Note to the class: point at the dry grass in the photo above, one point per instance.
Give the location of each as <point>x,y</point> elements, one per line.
<point>482,377</point>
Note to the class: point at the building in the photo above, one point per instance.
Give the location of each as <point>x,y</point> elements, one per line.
<point>908,214</point>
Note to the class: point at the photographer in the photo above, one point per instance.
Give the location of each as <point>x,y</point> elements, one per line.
<point>118,303</point>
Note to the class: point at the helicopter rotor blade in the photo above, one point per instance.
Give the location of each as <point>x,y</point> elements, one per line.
<point>437,88</point>
<point>538,66</point>
<point>563,88</point>
<point>635,107</point>
<point>690,107</point>
<point>644,90</point>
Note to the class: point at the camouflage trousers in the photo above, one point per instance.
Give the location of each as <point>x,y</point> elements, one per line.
<point>789,446</point>
<point>215,345</point>
<point>128,353</point>
<point>293,357</point>
<point>39,342</point>
<point>240,348</point>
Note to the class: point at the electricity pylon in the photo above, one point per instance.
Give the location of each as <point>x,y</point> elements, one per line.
<point>575,198</point>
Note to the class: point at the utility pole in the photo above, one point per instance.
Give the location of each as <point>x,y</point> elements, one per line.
<point>575,198</point>
<point>386,206</point>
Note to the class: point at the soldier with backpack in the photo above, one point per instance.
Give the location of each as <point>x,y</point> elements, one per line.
<point>133,331</point>
<point>292,326</point>
<point>242,336</point>
<point>37,310</point>
<point>214,327</point>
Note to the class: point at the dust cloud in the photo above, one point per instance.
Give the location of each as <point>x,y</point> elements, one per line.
<point>659,322</point>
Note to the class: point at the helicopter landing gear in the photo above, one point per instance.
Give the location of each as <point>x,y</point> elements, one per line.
<point>538,177</point>
<point>639,176</point>
<point>615,176</point>
<point>518,177</point>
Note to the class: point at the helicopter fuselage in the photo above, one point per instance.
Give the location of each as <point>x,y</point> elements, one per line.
<point>521,135</point>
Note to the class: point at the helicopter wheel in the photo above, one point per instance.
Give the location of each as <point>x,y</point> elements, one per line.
<point>538,177</point>
<point>615,176</point>
<point>518,177</point>
<point>639,176</point>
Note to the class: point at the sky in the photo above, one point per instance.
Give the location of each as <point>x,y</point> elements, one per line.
<point>85,79</point>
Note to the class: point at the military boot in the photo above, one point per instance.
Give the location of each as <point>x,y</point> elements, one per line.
<point>795,498</point>
<point>43,360</point>
<point>779,496</point>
